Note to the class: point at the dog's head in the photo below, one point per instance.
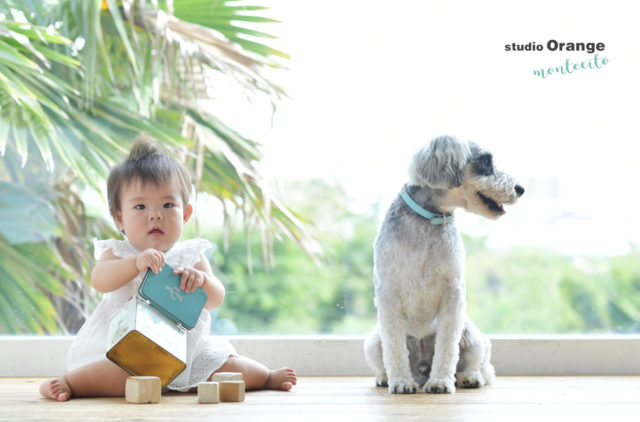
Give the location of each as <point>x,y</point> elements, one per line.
<point>465,176</point>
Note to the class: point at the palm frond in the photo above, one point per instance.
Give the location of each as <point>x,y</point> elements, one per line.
<point>195,49</point>
<point>26,278</point>
<point>27,91</point>
<point>224,16</point>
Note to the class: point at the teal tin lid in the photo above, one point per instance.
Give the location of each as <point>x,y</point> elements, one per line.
<point>163,291</point>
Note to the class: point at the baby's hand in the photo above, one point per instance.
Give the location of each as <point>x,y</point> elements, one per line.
<point>191,278</point>
<point>150,258</point>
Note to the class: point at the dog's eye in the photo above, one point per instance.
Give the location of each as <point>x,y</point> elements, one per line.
<point>483,165</point>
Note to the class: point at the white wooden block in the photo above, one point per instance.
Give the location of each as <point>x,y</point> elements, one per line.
<point>208,392</point>
<point>227,376</point>
<point>142,390</point>
<point>231,391</point>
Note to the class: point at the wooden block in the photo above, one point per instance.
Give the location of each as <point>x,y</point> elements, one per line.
<point>231,391</point>
<point>227,376</point>
<point>142,390</point>
<point>208,392</point>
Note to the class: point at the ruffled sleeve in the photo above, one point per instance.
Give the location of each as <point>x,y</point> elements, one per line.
<point>187,253</point>
<point>120,248</point>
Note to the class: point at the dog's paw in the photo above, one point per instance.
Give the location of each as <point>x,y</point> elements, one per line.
<point>488,373</point>
<point>439,386</point>
<point>381,381</point>
<point>470,380</point>
<point>403,386</point>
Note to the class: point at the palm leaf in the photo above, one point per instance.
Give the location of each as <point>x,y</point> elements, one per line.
<point>222,16</point>
<point>24,282</point>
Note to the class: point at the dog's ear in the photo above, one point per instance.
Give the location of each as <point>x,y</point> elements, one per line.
<point>440,163</point>
<point>482,160</point>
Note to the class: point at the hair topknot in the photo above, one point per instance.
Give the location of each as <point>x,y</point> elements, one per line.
<point>146,162</point>
<point>142,146</point>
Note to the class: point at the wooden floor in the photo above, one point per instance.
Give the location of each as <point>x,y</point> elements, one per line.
<point>330,399</point>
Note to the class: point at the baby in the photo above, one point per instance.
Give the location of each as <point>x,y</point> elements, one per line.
<point>148,198</point>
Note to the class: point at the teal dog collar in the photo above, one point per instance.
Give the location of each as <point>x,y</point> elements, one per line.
<point>435,219</point>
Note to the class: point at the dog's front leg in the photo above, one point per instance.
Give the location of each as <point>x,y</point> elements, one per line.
<point>395,355</point>
<point>449,328</point>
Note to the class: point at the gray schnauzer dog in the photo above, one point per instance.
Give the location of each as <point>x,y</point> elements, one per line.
<point>424,336</point>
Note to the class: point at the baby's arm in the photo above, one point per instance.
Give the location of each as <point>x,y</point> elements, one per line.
<point>202,276</point>
<point>112,272</point>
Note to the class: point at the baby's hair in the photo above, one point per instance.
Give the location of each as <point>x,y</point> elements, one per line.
<point>146,163</point>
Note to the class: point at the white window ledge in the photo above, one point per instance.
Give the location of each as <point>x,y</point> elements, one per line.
<point>33,356</point>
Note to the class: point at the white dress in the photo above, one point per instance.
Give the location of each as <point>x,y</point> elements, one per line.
<point>205,353</point>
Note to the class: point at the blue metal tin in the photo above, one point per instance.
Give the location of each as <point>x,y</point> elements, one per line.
<point>163,292</point>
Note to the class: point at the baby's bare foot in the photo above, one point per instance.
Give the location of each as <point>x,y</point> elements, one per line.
<point>56,389</point>
<point>282,379</point>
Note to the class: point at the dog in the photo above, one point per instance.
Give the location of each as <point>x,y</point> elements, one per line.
<point>423,336</point>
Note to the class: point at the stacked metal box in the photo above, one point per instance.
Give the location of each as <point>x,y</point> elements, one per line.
<point>147,336</point>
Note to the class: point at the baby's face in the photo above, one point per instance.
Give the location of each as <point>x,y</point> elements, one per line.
<point>152,216</point>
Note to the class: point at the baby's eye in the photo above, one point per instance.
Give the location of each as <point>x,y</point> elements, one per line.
<point>168,205</point>
<point>139,207</point>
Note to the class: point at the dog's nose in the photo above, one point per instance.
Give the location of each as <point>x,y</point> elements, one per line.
<point>519,190</point>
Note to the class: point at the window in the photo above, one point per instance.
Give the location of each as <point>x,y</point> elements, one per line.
<point>563,260</point>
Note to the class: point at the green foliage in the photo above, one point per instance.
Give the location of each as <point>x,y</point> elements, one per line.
<point>230,18</point>
<point>20,302</point>
<point>296,296</point>
<point>530,290</point>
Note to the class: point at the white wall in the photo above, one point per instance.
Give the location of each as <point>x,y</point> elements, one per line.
<point>26,356</point>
